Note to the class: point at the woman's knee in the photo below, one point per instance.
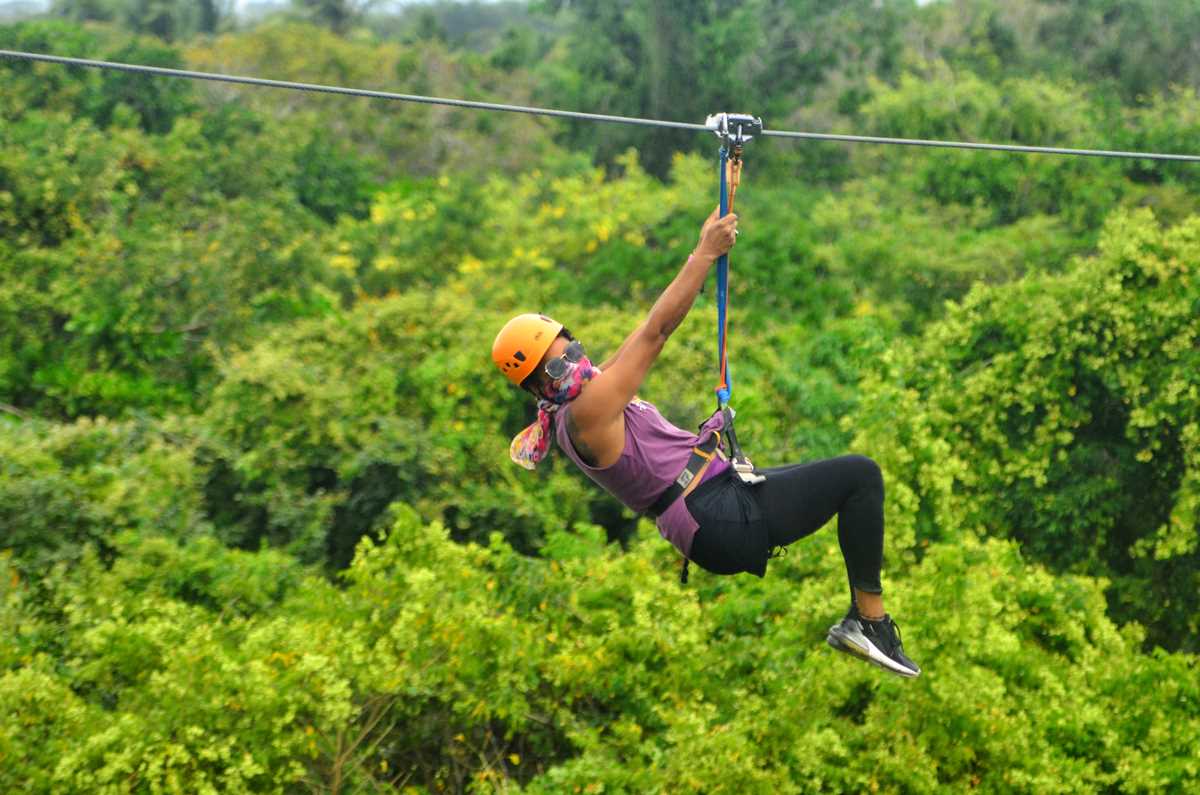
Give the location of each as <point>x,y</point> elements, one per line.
<point>866,472</point>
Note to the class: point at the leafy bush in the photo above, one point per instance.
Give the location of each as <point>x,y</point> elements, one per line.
<point>156,103</point>
<point>562,232</point>
<point>907,257</point>
<point>1061,411</point>
<point>1163,124</point>
<point>959,106</point>
<point>170,695</point>
<point>400,139</point>
<point>128,259</point>
<point>262,319</point>
<point>331,181</point>
<point>443,665</point>
<point>63,487</point>
<point>106,97</point>
<point>317,430</point>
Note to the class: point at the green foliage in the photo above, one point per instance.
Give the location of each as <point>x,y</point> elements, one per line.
<point>331,181</point>
<point>505,28</point>
<point>337,15</point>
<point>258,529</point>
<point>156,103</point>
<point>519,48</point>
<point>107,97</point>
<point>173,695</point>
<point>398,139</point>
<point>166,19</point>
<point>316,431</point>
<point>28,84</point>
<point>1138,46</point>
<point>415,236</point>
<point>907,258</point>
<point>1163,125</point>
<point>450,666</point>
<point>65,486</point>
<point>642,64</point>
<point>1128,50</point>
<point>129,256</point>
<point>962,107</point>
<point>682,61</point>
<point>1061,411</point>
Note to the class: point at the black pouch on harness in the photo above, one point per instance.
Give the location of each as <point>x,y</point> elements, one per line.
<point>732,537</point>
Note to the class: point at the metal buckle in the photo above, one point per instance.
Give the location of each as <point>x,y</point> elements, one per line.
<point>745,471</point>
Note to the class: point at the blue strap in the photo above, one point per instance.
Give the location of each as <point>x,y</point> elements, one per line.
<point>725,390</point>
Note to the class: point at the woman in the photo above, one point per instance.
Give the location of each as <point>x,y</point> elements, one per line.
<point>682,479</point>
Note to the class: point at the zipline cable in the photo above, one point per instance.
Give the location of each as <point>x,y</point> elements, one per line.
<point>1038,150</point>
<point>569,114</point>
<point>163,71</point>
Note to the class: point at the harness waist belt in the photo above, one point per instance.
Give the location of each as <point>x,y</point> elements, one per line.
<point>702,455</point>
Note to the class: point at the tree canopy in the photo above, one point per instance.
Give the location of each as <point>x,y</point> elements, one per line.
<point>258,527</point>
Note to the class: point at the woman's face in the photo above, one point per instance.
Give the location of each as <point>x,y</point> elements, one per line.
<point>538,380</point>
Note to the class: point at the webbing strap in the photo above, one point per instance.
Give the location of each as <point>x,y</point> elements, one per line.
<point>731,162</point>
<point>731,172</point>
<point>724,387</point>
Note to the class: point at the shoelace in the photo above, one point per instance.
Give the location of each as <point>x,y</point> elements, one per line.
<point>879,630</point>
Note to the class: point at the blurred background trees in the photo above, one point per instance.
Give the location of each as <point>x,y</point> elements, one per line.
<point>256,518</point>
<point>168,20</point>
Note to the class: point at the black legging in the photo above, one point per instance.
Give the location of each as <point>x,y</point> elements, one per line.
<point>739,523</point>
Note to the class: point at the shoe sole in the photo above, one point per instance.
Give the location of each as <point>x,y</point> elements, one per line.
<point>858,645</point>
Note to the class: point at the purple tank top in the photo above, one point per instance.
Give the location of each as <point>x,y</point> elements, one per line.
<point>654,455</point>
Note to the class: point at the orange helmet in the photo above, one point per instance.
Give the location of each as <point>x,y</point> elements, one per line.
<point>521,344</point>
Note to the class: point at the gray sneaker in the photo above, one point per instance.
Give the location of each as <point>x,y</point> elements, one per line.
<point>877,642</point>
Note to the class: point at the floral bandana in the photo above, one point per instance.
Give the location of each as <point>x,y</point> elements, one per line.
<point>531,445</point>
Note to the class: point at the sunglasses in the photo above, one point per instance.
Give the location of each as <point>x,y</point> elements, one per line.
<point>557,367</point>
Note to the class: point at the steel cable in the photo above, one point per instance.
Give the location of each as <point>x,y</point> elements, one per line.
<point>569,114</point>
<point>162,71</point>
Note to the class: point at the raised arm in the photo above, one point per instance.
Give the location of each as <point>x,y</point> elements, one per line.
<point>606,397</point>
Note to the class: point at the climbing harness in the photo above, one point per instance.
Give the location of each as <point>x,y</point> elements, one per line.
<point>734,130</point>
<point>693,472</point>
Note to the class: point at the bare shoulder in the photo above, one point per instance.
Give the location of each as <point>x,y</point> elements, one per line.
<point>598,444</point>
